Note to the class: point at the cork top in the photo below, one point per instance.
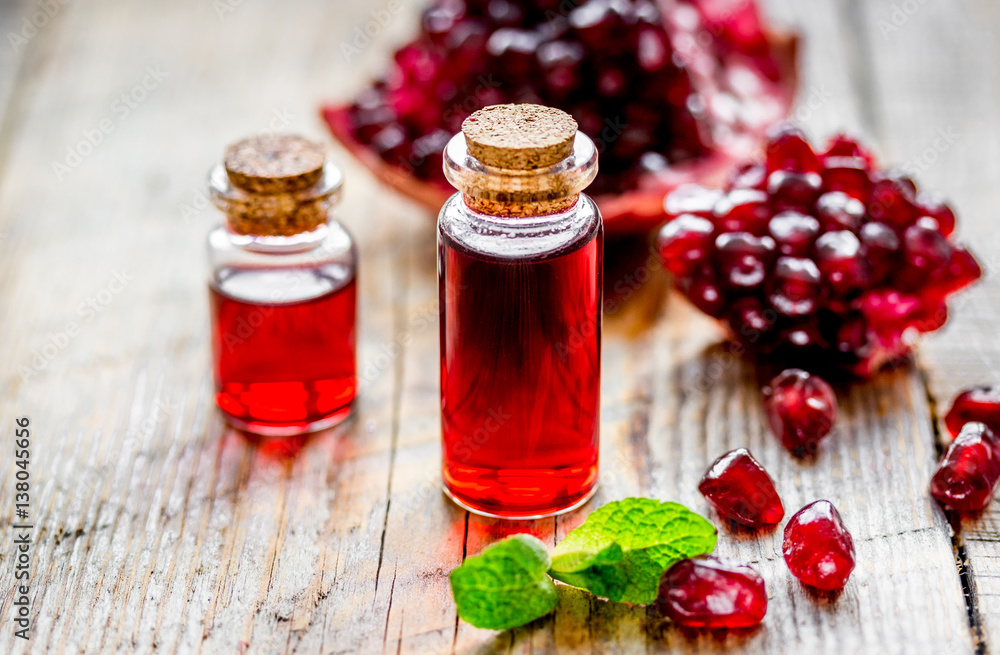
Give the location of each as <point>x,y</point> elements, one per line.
<point>519,137</point>
<point>274,163</point>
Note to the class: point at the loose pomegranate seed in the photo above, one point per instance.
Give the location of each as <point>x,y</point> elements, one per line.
<point>706,592</point>
<point>801,409</point>
<point>818,549</point>
<point>739,488</point>
<point>967,475</point>
<point>979,404</point>
<point>851,274</point>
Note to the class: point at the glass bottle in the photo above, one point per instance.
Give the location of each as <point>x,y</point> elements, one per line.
<point>282,289</point>
<point>520,252</point>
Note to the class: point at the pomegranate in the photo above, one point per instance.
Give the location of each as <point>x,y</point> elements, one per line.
<point>672,91</point>
<point>818,549</point>
<point>706,592</point>
<point>817,258</point>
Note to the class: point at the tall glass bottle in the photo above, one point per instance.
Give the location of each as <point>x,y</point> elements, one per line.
<point>282,289</point>
<point>520,252</point>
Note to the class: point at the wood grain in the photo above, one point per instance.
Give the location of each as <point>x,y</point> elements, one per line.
<point>161,530</point>
<point>940,118</point>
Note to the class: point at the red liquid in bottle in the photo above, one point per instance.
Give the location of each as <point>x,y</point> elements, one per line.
<point>283,345</point>
<point>520,377</point>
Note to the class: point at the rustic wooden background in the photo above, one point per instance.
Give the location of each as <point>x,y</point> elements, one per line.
<point>159,529</point>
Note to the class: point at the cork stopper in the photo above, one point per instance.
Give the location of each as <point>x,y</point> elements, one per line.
<point>274,163</point>
<point>276,185</point>
<point>519,137</point>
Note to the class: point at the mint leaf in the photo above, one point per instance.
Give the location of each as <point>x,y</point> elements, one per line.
<point>505,585</point>
<point>623,548</point>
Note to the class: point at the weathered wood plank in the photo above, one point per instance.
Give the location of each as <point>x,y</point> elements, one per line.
<point>160,529</point>
<point>939,118</point>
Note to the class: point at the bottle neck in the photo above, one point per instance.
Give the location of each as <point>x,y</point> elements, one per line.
<point>493,207</point>
<point>284,244</point>
<point>520,193</point>
<point>292,216</point>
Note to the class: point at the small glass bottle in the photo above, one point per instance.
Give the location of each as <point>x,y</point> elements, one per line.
<point>520,252</point>
<point>282,289</point>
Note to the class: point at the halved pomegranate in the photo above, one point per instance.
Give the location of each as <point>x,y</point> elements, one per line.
<point>672,91</point>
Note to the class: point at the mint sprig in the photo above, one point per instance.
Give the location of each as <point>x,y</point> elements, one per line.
<point>622,549</point>
<point>620,552</point>
<point>505,585</point>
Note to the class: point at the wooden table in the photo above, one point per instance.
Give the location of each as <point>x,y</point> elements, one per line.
<point>159,529</point>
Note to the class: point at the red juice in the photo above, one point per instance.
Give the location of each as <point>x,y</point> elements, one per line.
<point>283,344</point>
<point>520,377</point>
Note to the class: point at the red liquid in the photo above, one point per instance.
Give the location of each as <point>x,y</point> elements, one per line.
<point>283,368</point>
<point>520,377</point>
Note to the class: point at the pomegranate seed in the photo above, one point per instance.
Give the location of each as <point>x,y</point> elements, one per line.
<point>801,409</point>
<point>818,549</point>
<point>743,210</point>
<point>787,149</point>
<point>848,175</point>
<point>842,261</point>
<point>882,244</point>
<point>967,475</point>
<point>692,199</point>
<point>739,488</point>
<point>789,189</point>
<point>939,211</point>
<point>979,404</point>
<point>892,201</point>
<point>750,321</point>
<point>961,271</point>
<point>744,258</point>
<point>843,146</point>
<point>706,592</point>
<point>708,296</point>
<point>925,250</point>
<point>795,286</point>
<point>794,232</point>
<point>685,242</point>
<point>837,210</point>
<point>748,176</point>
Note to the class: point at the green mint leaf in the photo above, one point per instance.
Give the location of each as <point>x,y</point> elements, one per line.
<point>623,548</point>
<point>505,585</point>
